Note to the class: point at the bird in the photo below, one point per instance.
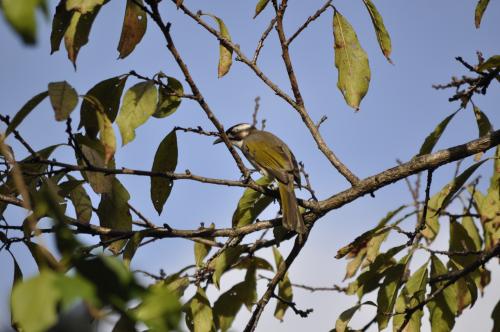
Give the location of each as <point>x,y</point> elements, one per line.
<point>273,158</point>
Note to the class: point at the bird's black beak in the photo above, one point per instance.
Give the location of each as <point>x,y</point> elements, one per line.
<point>218,140</point>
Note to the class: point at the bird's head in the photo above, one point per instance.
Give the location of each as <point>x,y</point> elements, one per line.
<point>237,134</point>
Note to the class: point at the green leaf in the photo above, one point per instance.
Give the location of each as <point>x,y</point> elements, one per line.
<point>384,40</point>
<point>344,318</point>
<point>106,136</point>
<point>167,102</point>
<point>444,306</point>
<point>131,247</point>
<point>34,302</point>
<point>433,137</point>
<point>83,6</point>
<point>199,316</point>
<point>21,17</point>
<point>79,197</point>
<point>139,103</point>
<point>353,266</point>
<point>18,277</point>
<point>432,225</point>
<point>254,262</point>
<point>43,258</point>
<point>285,290</point>
<point>134,27</point>
<point>24,111</point>
<point>492,63</point>
<point>165,161</point>
<point>94,153</point>
<point>483,123</point>
<point>106,94</point>
<point>471,229</point>
<point>63,98</point>
<point>60,23</point>
<point>351,61</point>
<point>495,315</point>
<point>480,9</point>
<point>160,309</point>
<point>225,53</point>
<point>261,5</point>
<point>251,204</point>
<point>201,251</point>
<point>113,212</point>
<point>223,262</point>
<point>388,291</point>
<point>77,33</point>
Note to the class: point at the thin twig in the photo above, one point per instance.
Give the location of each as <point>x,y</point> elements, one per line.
<point>309,20</point>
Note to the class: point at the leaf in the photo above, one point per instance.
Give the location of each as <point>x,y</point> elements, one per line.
<point>73,189</point>
<point>495,315</point>
<point>223,262</point>
<point>94,153</point>
<point>443,307</point>
<point>83,6</point>
<point>384,40</point>
<point>351,61</point>
<point>34,302</point>
<point>344,318</point>
<point>43,258</point>
<point>107,94</point>
<point>353,266</point>
<point>388,291</point>
<point>114,213</point>
<point>199,316</point>
<point>165,161</point>
<point>433,137</point>
<point>254,262</point>
<point>18,277</point>
<point>24,111</point>
<point>201,251</point>
<point>225,53</point>
<point>106,136</point>
<point>134,27</point>
<point>261,5</point>
<point>167,102</point>
<point>60,23</point>
<point>21,17</point>
<point>492,63</point>
<point>483,123</point>
<point>285,290</point>
<point>63,98</point>
<point>251,204</point>
<point>480,9</point>
<point>139,103</point>
<point>472,231</point>
<point>160,309</point>
<point>131,247</point>
<point>77,33</point>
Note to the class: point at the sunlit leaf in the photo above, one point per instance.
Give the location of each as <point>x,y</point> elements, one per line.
<point>106,136</point>
<point>492,63</point>
<point>199,316</point>
<point>353,266</point>
<point>63,98</point>
<point>351,61</point>
<point>165,161</point>
<point>384,40</point>
<point>444,306</point>
<point>225,53</point>
<point>169,98</point>
<point>201,251</point>
<point>139,103</point>
<point>77,33</point>
<point>433,137</point>
<point>21,17</point>
<point>251,204</point>
<point>261,5</point>
<point>108,94</point>
<point>285,290</point>
<point>483,123</point>
<point>24,111</point>
<point>134,26</point>
<point>60,23</point>
<point>83,6</point>
<point>480,9</point>
<point>223,262</point>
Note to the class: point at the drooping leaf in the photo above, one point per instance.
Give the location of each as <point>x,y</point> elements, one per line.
<point>43,258</point>
<point>106,136</point>
<point>60,23</point>
<point>492,63</point>
<point>63,98</point>
<point>139,103</point>
<point>357,259</point>
<point>24,111</point>
<point>21,17</point>
<point>18,277</point>
<point>344,318</point>
<point>254,262</point>
<point>285,290</point>
<point>251,204</point>
<point>225,53</point>
<point>169,98</point>
<point>74,189</point>
<point>201,251</point>
<point>83,6</point>
<point>199,316</point>
<point>106,93</point>
<point>131,247</point>
<point>261,5</point>
<point>134,27</point>
<point>472,231</point>
<point>223,262</point>
<point>165,161</point>
<point>480,9</point>
<point>351,61</point>
<point>77,33</point>
<point>444,306</point>
<point>433,137</point>
<point>114,212</point>
<point>483,123</point>
<point>384,40</point>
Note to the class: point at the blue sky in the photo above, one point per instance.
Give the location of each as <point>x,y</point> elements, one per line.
<point>396,115</point>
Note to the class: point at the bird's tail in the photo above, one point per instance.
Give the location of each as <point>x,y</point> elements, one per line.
<point>292,219</point>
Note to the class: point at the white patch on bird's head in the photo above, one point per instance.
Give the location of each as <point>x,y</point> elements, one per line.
<point>238,132</point>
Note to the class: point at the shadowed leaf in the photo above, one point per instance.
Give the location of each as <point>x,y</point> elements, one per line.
<point>483,123</point>
<point>168,103</point>
<point>131,248</point>
<point>351,61</point>
<point>251,204</point>
<point>77,33</point>
<point>433,137</point>
<point>165,161</point>
<point>223,262</point>
<point>24,111</point>
<point>444,306</point>
<point>74,189</point>
<point>384,40</point>
<point>63,98</point>
<point>480,9</point>
<point>60,23</point>
<point>134,26</point>
<point>199,316</point>
<point>285,290</point>
<point>83,6</point>
<point>344,318</point>
<point>43,258</point>
<point>261,5</point>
